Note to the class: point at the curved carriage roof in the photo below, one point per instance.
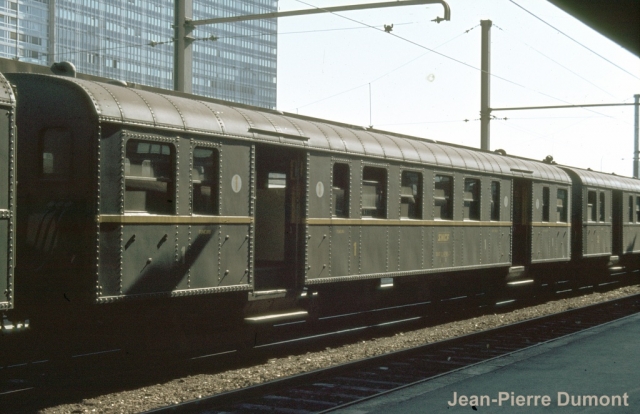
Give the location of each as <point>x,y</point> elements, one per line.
<point>125,105</point>
<point>6,93</point>
<point>602,180</point>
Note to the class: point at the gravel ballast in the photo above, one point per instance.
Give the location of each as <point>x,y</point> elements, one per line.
<point>202,385</point>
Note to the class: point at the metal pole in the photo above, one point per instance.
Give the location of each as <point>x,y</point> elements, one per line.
<point>366,6</point>
<point>184,24</point>
<point>636,162</point>
<point>485,92</point>
<point>183,56</point>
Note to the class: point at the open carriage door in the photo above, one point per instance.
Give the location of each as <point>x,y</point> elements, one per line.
<point>521,246</point>
<point>279,217</point>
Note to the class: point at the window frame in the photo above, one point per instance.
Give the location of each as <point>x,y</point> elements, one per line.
<point>475,203</point>
<point>215,181</point>
<point>494,206</point>
<point>562,216</point>
<point>592,206</point>
<point>171,190</point>
<point>418,198</point>
<point>546,204</point>
<point>381,210</point>
<point>448,198</point>
<point>346,178</point>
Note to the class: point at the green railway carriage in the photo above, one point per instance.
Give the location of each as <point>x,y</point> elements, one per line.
<point>128,193</point>
<point>606,219</point>
<point>7,194</point>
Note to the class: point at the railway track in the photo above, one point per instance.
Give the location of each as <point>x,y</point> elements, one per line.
<point>47,383</point>
<point>337,387</point>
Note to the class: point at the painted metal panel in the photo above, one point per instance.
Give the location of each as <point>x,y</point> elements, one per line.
<point>320,191</point>
<point>6,288</point>
<point>335,140</point>
<point>230,121</point>
<point>443,247</point>
<point>601,180</point>
<point>109,273</point>
<point>393,242</point>
<point>195,115</point>
<point>408,149</point>
<point>133,108</point>
<point>147,259</point>
<point>631,238</point>
<point>318,248</point>
<point>235,160</point>
<point>200,260</point>
<point>412,248</point>
<point>351,141</point>
<point>473,246</point>
<point>317,137</point>
<point>373,251</point>
<point>342,250</point>
<point>234,255</point>
<point>389,145</point>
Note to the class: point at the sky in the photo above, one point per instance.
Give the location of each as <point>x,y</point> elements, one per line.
<point>423,78</point>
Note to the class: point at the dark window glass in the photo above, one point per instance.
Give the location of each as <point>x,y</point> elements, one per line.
<point>442,201</point>
<point>630,209</point>
<point>56,153</point>
<point>205,180</point>
<point>411,195</point>
<point>374,192</point>
<point>471,199</point>
<point>562,206</point>
<point>602,204</point>
<point>340,190</point>
<point>592,206</point>
<point>149,177</point>
<point>545,204</point>
<point>495,201</point>
<point>637,209</point>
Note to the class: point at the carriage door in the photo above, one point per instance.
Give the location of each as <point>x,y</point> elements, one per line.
<point>521,245</point>
<point>279,214</point>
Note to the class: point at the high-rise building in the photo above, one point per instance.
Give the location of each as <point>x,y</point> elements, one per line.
<point>132,40</point>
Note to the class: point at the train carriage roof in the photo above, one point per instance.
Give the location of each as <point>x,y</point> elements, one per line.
<point>6,93</point>
<point>132,106</point>
<point>601,180</point>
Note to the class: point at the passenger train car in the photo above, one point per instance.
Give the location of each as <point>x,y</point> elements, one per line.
<point>137,205</point>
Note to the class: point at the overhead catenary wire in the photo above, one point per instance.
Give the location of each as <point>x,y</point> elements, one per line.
<point>388,72</point>
<point>574,40</point>
<point>446,57</point>
<point>510,38</point>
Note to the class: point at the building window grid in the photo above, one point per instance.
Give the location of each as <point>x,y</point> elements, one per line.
<point>102,28</point>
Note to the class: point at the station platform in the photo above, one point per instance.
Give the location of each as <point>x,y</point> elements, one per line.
<point>594,371</point>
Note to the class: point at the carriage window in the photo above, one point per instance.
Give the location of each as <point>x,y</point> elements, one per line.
<point>204,176</point>
<point>602,207</point>
<point>495,201</point>
<point>340,190</point>
<point>592,204</point>
<point>545,204</point>
<point>149,177</point>
<point>630,209</point>
<point>442,198</point>
<point>562,206</point>
<point>56,153</point>
<point>637,209</point>
<point>374,192</point>
<point>411,195</point>
<point>471,199</point>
